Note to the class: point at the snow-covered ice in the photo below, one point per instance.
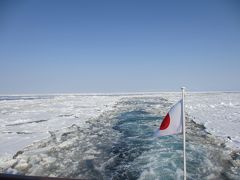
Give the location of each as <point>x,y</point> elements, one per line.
<point>111,136</point>
<point>25,119</point>
<point>218,112</point>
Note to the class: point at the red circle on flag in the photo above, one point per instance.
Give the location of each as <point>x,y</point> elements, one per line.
<point>165,122</point>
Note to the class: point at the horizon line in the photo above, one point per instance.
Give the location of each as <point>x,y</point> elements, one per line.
<point>115,93</point>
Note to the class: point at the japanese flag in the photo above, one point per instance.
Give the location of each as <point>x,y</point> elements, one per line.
<point>173,121</point>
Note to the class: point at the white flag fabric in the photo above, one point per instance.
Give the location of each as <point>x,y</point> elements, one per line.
<point>173,121</point>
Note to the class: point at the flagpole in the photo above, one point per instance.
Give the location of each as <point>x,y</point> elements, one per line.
<point>184,137</point>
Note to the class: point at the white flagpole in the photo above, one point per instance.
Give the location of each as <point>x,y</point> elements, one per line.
<point>184,137</point>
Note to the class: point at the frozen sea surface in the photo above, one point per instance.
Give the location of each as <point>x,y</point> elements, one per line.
<point>111,137</point>
<point>219,113</point>
<point>24,119</point>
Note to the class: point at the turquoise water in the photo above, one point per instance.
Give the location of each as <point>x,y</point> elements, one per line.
<point>138,150</point>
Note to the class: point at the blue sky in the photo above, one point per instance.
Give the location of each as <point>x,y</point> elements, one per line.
<point>119,46</point>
